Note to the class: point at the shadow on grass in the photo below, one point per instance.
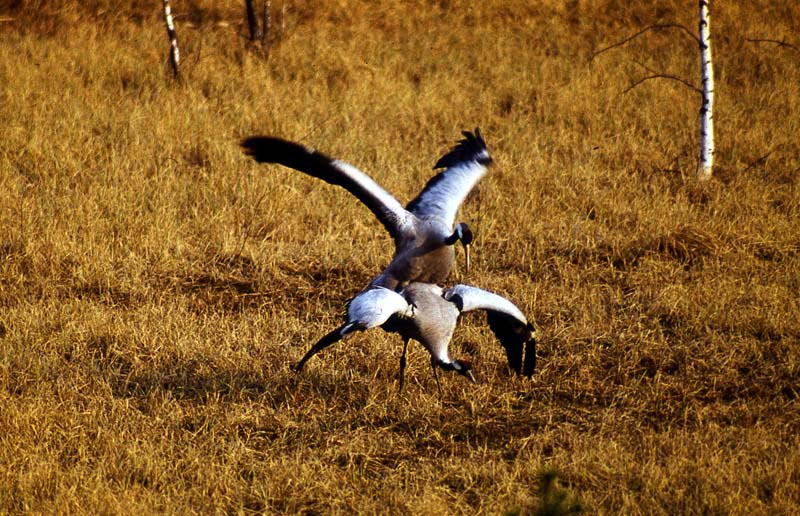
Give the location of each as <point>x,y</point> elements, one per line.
<point>235,283</point>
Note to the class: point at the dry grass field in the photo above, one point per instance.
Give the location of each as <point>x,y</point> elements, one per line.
<point>155,284</point>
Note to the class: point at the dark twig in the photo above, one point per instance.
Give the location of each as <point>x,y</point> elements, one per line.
<point>779,42</point>
<point>657,26</point>
<point>655,74</point>
<point>663,76</point>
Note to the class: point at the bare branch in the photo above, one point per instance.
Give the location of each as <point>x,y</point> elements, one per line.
<point>779,42</point>
<point>656,74</point>
<point>663,76</point>
<point>657,26</point>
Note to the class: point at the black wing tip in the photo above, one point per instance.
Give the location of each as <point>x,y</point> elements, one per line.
<point>516,337</point>
<point>263,149</point>
<point>271,149</point>
<point>519,341</point>
<point>248,144</point>
<point>253,142</point>
<point>471,148</point>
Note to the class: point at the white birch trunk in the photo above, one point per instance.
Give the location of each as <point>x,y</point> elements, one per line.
<point>265,32</point>
<point>174,53</point>
<point>706,162</point>
<point>283,18</point>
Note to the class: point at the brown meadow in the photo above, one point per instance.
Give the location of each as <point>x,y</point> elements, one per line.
<point>155,284</point>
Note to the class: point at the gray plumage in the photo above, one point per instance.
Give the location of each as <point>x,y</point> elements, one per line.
<point>436,314</point>
<point>431,320</point>
<point>423,231</point>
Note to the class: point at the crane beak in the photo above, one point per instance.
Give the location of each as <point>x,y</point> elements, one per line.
<point>466,258</point>
<point>470,376</point>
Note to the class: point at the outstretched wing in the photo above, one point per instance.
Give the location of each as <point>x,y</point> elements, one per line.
<point>267,149</point>
<point>506,321</point>
<point>465,165</point>
<point>369,308</point>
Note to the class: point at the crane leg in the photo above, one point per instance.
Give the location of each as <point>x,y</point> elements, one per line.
<point>403,364</point>
<point>436,375</point>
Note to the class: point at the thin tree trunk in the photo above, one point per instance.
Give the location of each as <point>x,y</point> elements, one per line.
<point>252,21</point>
<point>706,162</point>
<point>266,24</point>
<point>174,53</point>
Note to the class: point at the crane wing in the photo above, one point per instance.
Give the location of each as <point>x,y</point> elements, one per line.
<point>267,149</point>
<point>465,164</point>
<point>506,321</point>
<point>375,305</point>
<point>369,308</point>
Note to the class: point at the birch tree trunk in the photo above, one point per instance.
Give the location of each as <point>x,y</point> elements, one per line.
<point>252,21</point>
<point>706,162</point>
<point>174,53</point>
<point>283,18</point>
<point>266,24</point>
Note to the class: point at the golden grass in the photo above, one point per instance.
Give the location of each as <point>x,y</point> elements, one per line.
<point>155,284</point>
